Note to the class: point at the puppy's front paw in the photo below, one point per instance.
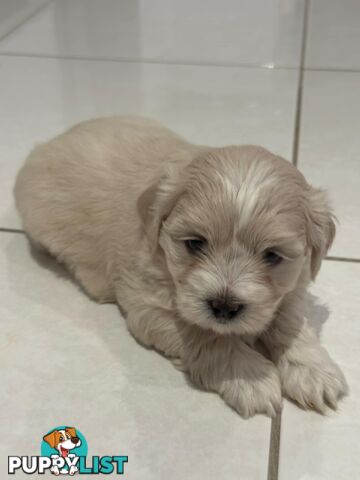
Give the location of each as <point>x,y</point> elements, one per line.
<point>314,384</point>
<point>55,470</point>
<point>259,391</point>
<point>73,470</point>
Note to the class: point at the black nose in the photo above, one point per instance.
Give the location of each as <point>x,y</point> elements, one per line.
<point>224,309</point>
<point>74,440</point>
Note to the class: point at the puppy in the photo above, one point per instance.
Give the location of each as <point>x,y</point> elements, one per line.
<point>207,250</point>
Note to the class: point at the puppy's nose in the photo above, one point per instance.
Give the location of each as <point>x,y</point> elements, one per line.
<point>74,440</point>
<point>224,309</point>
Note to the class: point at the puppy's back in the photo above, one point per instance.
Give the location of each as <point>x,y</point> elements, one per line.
<point>74,189</point>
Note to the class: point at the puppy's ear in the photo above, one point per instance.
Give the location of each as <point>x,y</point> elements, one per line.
<point>71,431</point>
<point>157,201</point>
<point>320,227</point>
<point>50,438</point>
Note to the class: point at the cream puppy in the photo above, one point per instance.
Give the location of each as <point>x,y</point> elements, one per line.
<point>207,250</point>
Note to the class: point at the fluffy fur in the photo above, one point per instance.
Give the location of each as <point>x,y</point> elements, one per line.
<point>117,201</point>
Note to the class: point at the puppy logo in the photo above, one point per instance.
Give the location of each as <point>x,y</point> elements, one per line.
<point>63,440</point>
<point>64,452</point>
<point>62,445</point>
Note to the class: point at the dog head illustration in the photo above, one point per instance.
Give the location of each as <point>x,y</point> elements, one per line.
<point>63,440</point>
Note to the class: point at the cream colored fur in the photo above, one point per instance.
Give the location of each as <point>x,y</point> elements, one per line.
<point>116,200</point>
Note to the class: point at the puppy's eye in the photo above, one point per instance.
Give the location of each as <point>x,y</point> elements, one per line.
<point>195,245</point>
<point>61,439</point>
<point>272,258</point>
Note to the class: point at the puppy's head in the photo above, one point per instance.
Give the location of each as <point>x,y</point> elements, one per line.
<point>237,226</point>
<point>63,440</point>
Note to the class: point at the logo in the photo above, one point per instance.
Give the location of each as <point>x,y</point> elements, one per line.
<point>63,452</point>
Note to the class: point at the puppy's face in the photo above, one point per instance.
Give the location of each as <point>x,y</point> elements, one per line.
<point>63,440</point>
<point>237,228</point>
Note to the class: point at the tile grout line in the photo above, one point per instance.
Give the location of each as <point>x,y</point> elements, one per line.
<point>332,69</point>
<point>22,22</point>
<point>274,448</point>
<point>343,259</point>
<point>11,230</point>
<point>299,99</point>
<point>275,433</point>
<point>153,61</point>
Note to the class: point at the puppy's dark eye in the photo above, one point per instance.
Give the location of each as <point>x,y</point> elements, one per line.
<point>195,245</point>
<point>272,258</point>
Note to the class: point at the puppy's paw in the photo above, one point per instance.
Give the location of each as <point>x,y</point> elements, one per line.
<point>313,385</point>
<point>73,470</point>
<point>257,392</point>
<point>55,470</point>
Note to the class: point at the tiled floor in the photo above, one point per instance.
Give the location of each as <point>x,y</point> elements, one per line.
<point>205,72</point>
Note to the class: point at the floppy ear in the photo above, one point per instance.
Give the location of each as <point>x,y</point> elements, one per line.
<point>320,227</point>
<point>156,203</point>
<point>50,438</point>
<point>71,431</point>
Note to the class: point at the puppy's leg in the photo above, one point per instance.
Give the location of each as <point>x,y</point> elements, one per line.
<point>245,379</point>
<point>157,327</point>
<point>224,364</point>
<point>308,374</point>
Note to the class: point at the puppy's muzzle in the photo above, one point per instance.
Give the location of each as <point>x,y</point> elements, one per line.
<point>225,310</point>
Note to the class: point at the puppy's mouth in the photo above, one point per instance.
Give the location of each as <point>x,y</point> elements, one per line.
<point>64,451</point>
